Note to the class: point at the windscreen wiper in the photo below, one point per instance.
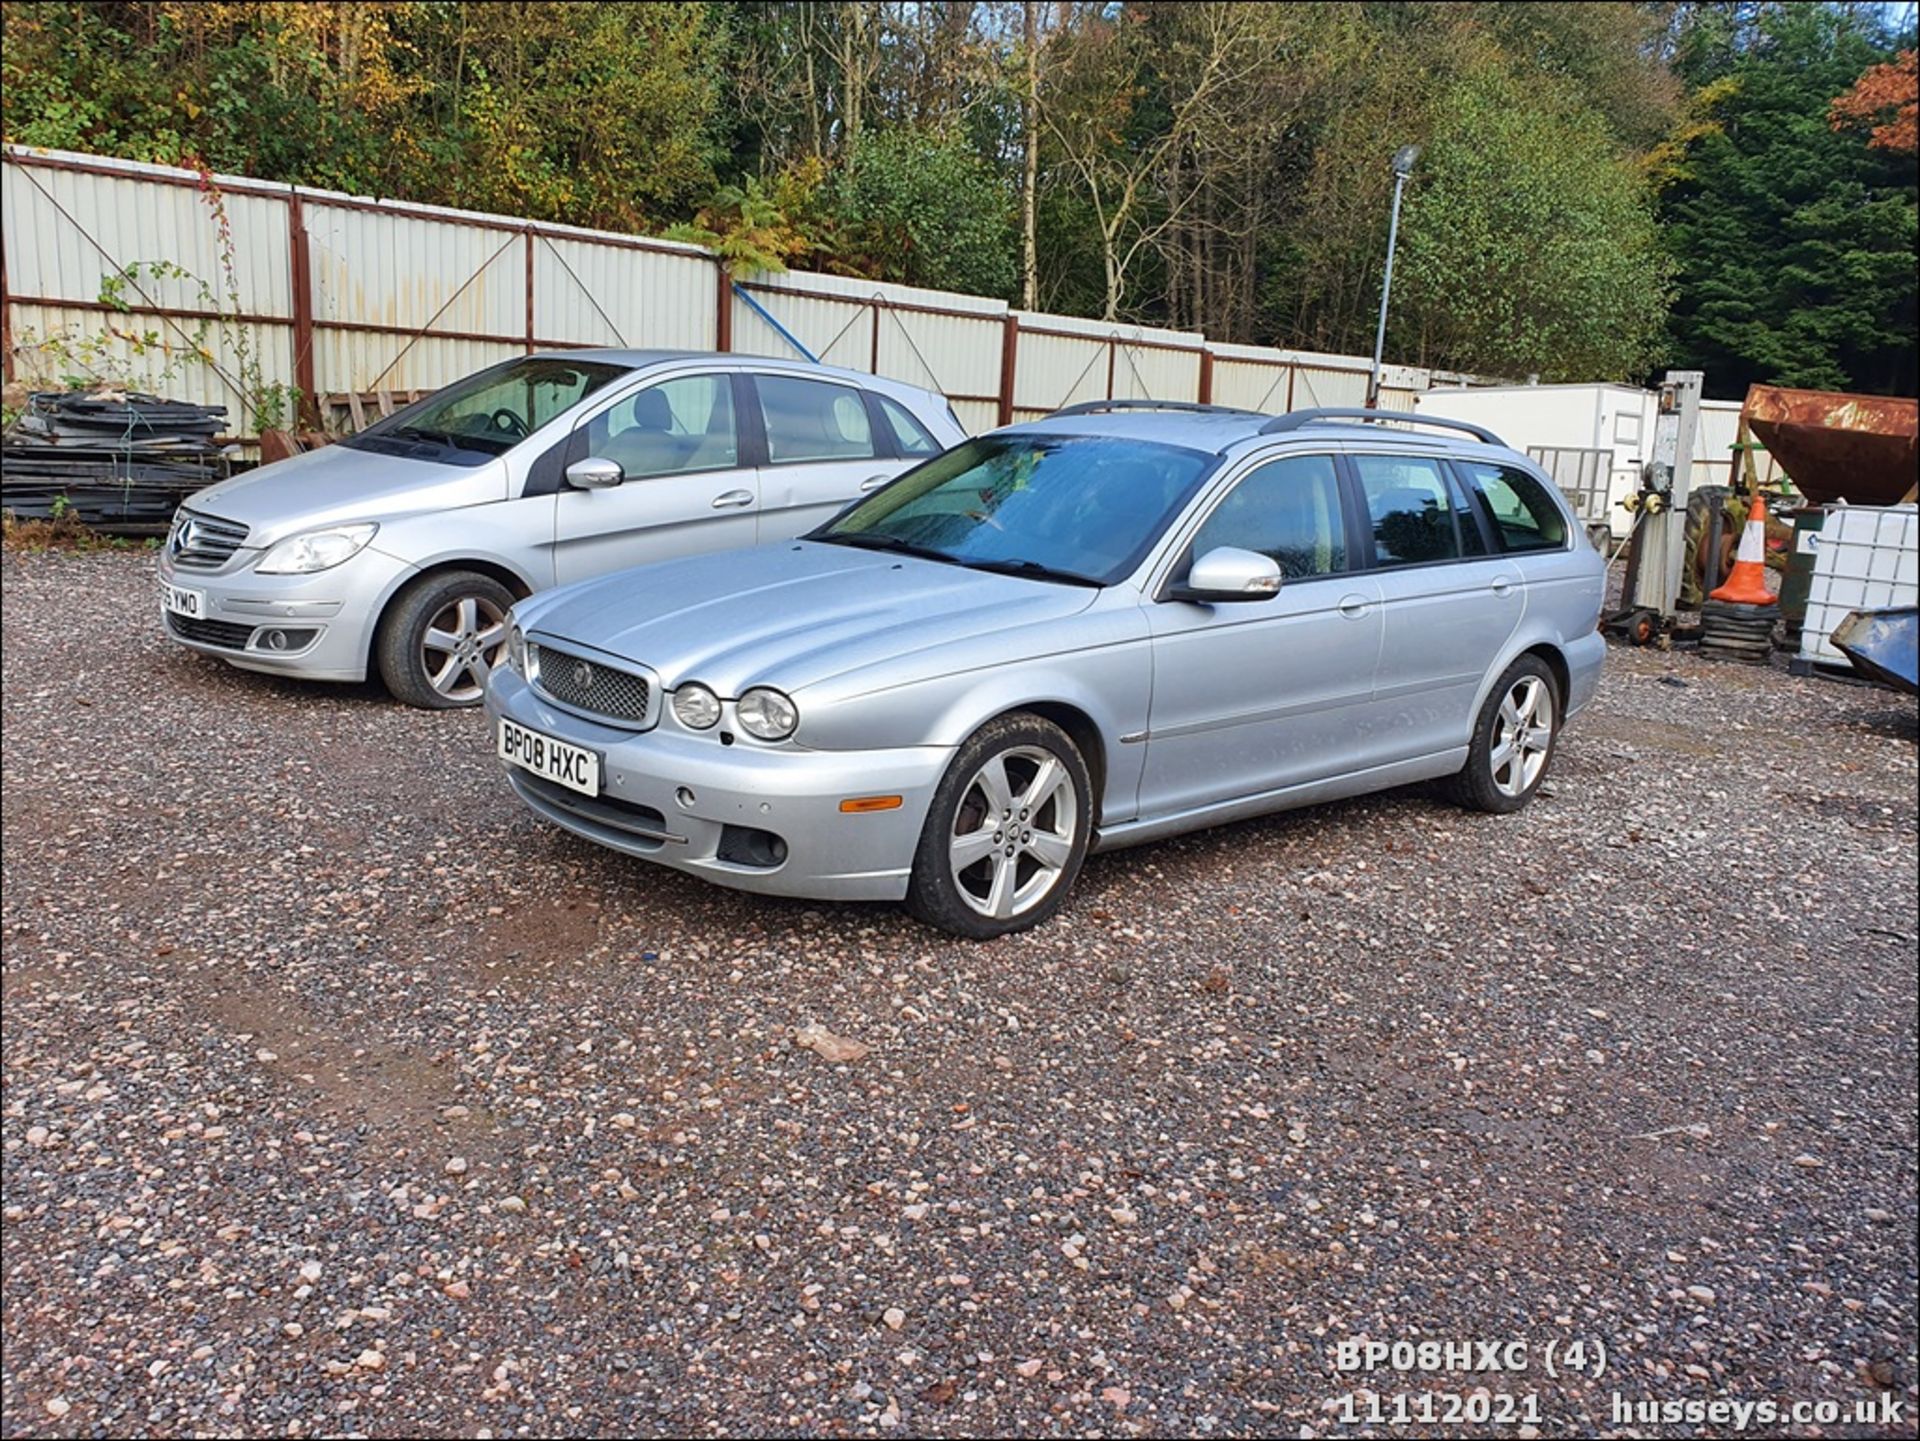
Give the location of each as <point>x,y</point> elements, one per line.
<point>416,432</point>
<point>874,540</point>
<point>1033,570</point>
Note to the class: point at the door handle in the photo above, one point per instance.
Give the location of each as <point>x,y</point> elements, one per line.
<point>1503,587</point>
<point>873,482</point>
<point>1353,606</point>
<point>732,499</point>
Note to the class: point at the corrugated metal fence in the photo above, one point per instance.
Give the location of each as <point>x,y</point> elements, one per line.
<point>340,295</point>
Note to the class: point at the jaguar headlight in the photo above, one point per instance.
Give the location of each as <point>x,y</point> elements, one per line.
<point>767,714</point>
<point>316,550</point>
<point>696,707</point>
<point>517,650</point>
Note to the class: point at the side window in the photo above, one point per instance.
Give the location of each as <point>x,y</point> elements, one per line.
<point>678,425</point>
<point>1408,509</point>
<point>813,420</point>
<point>1472,542</point>
<point>1288,510</point>
<point>912,435</point>
<point>1524,515</point>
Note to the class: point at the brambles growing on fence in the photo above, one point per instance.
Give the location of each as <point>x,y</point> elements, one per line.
<point>82,356</point>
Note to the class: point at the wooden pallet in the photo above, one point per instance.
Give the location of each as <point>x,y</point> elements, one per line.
<point>357,403</point>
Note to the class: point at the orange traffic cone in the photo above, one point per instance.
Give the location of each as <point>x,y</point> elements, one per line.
<point>1747,585</point>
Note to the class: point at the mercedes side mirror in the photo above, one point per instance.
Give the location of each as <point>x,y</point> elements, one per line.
<point>1228,573</point>
<point>595,473</point>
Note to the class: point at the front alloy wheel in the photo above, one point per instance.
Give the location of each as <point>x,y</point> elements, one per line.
<point>441,638</point>
<point>462,646</point>
<point>1006,832</point>
<point>1013,832</point>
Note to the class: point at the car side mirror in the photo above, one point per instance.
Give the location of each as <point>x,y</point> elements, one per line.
<point>1228,573</point>
<point>595,473</point>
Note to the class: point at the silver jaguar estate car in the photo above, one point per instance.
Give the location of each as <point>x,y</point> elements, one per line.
<point>401,548</point>
<point>1111,625</point>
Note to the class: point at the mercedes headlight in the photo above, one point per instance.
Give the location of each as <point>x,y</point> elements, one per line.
<point>316,550</point>
<point>767,714</point>
<point>696,707</point>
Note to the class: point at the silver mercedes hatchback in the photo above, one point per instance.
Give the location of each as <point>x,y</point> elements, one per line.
<point>1118,623</point>
<point>400,549</point>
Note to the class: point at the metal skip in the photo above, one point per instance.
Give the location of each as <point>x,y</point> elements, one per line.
<point>1884,644</point>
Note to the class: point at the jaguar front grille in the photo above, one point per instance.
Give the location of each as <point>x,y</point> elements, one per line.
<point>594,687</point>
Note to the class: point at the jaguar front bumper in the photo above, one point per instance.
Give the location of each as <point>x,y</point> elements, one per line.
<point>682,799</point>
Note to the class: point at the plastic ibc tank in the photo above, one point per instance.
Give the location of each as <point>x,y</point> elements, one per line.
<point>1865,557</point>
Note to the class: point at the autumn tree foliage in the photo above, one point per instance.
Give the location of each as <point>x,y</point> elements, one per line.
<point>1793,241</point>
<point>1887,97</point>
<point>1606,188</point>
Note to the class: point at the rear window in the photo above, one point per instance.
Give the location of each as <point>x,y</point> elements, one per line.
<point>1472,542</point>
<point>1409,509</point>
<point>813,420</point>
<point>913,437</point>
<point>1524,515</point>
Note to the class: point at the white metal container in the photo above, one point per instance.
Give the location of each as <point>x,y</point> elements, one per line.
<point>1713,443</point>
<point>1582,473</point>
<point>1865,557</point>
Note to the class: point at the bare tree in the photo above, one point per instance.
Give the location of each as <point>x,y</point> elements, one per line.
<point>1030,158</point>
<point>1224,186</point>
<point>1119,158</point>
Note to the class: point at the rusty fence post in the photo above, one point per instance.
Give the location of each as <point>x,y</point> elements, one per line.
<point>529,339</point>
<point>1206,377</point>
<point>1009,361</point>
<point>6,323</point>
<point>722,307</point>
<point>300,282</point>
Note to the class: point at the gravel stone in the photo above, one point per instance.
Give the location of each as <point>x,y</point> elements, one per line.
<point>1332,1066</point>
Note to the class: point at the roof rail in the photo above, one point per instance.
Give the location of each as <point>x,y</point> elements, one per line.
<point>1295,419</point>
<point>1095,407</point>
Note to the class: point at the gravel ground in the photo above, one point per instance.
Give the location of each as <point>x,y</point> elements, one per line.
<point>341,1096</point>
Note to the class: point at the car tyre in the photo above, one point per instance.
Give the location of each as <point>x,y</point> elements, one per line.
<point>1513,739</point>
<point>979,875</point>
<point>441,637</point>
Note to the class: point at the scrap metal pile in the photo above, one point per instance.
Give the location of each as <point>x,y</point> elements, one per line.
<point>117,460</point>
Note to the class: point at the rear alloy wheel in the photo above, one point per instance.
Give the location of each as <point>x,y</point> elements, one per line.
<point>1513,740</point>
<point>1523,736</point>
<point>1007,831</point>
<point>441,639</point>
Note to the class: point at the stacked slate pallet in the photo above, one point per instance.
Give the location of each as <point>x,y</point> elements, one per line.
<point>117,460</point>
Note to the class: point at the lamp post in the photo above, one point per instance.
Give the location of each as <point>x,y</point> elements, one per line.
<point>1403,159</point>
